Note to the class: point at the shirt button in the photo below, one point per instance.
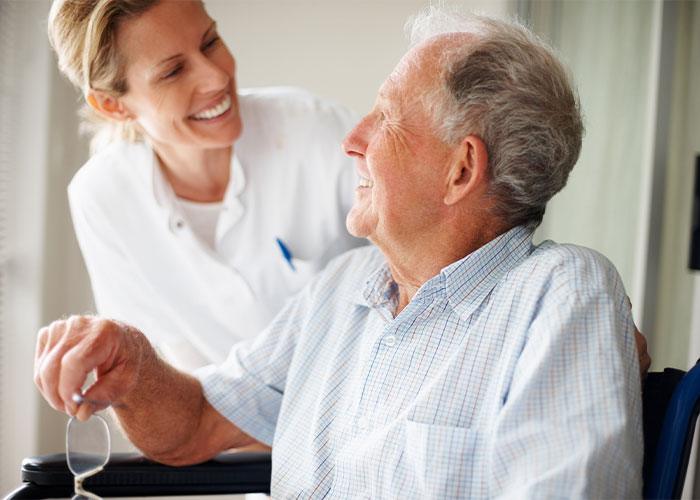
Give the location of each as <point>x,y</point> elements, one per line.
<point>176,223</point>
<point>363,423</point>
<point>389,340</point>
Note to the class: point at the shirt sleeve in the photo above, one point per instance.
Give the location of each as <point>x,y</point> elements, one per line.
<point>570,425</point>
<point>247,389</point>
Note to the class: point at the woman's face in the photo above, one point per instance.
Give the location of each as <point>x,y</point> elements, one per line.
<point>180,77</point>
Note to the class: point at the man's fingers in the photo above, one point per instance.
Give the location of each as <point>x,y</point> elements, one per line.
<point>50,346</point>
<point>641,341</point>
<point>51,366</point>
<point>49,375</point>
<point>92,352</point>
<point>74,371</point>
<point>67,351</point>
<point>42,339</point>
<point>644,358</point>
<point>84,411</point>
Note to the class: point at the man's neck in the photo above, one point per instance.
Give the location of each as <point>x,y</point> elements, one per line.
<point>196,174</point>
<point>413,265</point>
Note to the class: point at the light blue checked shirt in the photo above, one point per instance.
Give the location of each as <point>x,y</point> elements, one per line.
<point>512,373</point>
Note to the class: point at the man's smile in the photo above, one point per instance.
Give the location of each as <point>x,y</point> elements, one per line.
<point>366,183</point>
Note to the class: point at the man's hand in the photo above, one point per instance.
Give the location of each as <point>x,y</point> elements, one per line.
<point>644,358</point>
<point>162,411</point>
<point>68,350</point>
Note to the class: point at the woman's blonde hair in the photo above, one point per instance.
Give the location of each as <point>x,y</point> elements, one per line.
<point>83,33</point>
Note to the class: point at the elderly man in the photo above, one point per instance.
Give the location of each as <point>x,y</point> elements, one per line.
<point>455,359</point>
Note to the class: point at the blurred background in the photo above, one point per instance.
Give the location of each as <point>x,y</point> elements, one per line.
<point>637,66</point>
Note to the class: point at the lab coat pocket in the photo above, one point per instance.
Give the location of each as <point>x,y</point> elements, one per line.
<point>297,272</point>
<point>305,267</point>
<point>442,460</point>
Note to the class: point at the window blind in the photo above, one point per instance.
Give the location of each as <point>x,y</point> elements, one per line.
<point>7,62</point>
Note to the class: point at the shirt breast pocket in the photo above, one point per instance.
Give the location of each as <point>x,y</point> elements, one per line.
<point>446,461</point>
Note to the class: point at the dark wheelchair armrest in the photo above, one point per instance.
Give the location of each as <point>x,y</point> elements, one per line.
<point>132,475</point>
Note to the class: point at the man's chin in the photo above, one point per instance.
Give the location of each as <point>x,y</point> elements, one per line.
<point>357,225</point>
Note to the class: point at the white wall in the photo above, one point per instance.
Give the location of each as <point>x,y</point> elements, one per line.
<point>339,49</point>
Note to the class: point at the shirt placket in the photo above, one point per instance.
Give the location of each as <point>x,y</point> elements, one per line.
<point>385,358</point>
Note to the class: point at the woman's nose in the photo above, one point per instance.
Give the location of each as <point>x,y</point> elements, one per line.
<point>210,76</point>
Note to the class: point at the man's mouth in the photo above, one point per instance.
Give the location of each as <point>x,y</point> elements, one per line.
<point>366,183</point>
<point>215,111</point>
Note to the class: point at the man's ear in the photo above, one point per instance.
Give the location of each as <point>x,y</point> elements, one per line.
<point>468,172</point>
<point>107,105</point>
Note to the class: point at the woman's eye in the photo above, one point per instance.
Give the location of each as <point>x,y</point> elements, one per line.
<point>173,73</point>
<point>211,42</point>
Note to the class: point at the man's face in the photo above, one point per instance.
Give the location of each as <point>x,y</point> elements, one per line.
<point>400,161</point>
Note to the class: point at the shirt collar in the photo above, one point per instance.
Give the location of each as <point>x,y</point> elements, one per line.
<point>465,282</point>
<point>380,287</point>
<point>162,190</point>
<point>469,280</point>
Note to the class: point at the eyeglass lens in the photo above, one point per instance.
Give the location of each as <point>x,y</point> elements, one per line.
<point>87,450</point>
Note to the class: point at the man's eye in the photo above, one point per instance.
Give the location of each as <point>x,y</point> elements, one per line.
<point>173,73</point>
<point>211,42</point>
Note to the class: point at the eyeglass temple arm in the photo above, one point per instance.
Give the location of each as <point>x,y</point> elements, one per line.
<point>78,483</point>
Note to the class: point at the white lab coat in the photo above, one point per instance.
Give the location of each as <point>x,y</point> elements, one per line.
<point>290,180</point>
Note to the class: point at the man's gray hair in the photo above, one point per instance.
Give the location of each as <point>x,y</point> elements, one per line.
<point>509,89</point>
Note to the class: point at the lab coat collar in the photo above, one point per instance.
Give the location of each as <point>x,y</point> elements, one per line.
<point>165,196</point>
<point>233,208</point>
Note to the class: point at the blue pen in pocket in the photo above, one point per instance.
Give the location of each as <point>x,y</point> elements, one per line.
<point>286,253</point>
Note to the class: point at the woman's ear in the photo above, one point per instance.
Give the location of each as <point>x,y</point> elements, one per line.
<point>107,105</point>
<point>468,172</point>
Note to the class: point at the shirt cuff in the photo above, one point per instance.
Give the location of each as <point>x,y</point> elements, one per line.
<point>242,399</point>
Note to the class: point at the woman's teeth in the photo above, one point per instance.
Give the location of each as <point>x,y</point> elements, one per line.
<point>366,183</point>
<point>217,110</point>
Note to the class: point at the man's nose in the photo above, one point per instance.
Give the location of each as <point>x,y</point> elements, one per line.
<point>355,143</point>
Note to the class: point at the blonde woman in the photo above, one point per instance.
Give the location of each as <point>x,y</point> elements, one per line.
<point>202,208</point>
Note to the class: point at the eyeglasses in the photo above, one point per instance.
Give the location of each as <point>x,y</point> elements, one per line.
<point>88,447</point>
